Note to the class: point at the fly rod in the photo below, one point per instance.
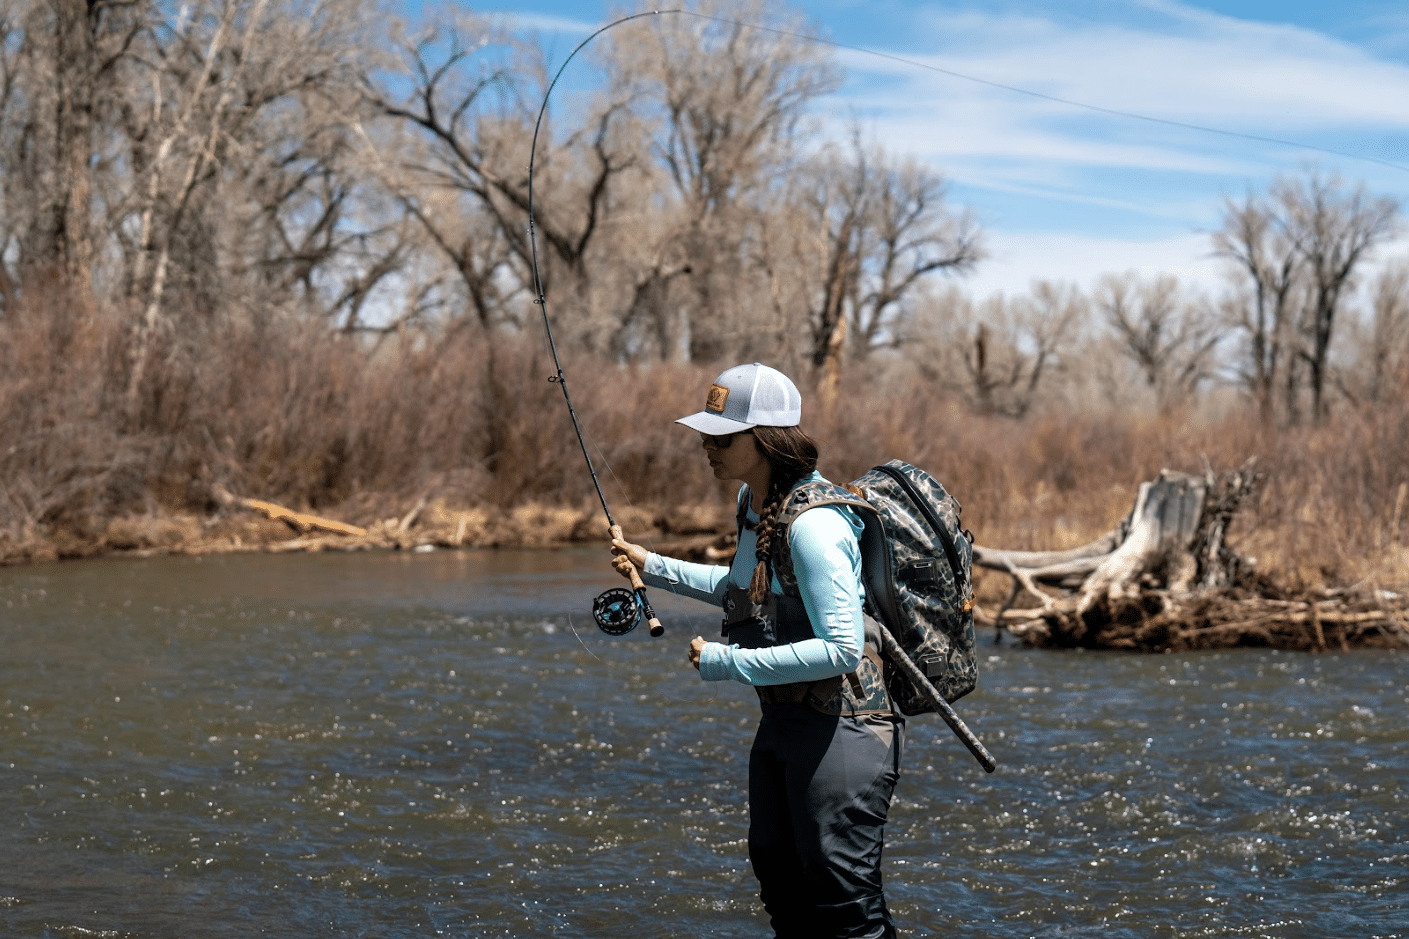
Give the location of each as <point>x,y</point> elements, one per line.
<point>617,611</point>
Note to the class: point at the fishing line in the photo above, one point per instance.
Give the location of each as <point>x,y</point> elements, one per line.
<point>581,642</point>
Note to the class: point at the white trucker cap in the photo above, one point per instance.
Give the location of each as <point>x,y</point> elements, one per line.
<point>748,396</point>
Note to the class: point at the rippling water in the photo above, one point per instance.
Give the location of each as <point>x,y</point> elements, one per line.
<point>395,745</point>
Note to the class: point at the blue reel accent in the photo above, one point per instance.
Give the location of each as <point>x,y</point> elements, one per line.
<point>616,611</point>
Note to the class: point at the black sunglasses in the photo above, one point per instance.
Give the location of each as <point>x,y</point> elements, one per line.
<point>721,443</point>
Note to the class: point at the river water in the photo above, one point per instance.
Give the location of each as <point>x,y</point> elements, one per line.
<point>443,744</point>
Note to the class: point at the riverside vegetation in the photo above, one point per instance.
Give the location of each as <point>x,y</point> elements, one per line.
<point>442,443</point>
<point>248,253</point>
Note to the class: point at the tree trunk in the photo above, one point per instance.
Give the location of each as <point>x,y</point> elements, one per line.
<point>67,230</point>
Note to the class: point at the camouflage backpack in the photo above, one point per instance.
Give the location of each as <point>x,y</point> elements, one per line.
<point>916,564</point>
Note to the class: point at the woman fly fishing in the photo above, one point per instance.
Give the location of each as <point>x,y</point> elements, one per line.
<point>826,755</point>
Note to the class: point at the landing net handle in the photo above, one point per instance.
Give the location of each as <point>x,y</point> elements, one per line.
<point>896,655</point>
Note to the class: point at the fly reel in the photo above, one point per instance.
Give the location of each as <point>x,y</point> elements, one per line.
<point>616,611</point>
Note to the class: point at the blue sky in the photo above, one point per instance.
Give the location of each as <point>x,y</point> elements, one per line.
<point>1070,193</point>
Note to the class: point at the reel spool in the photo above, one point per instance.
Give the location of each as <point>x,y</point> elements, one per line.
<point>616,611</point>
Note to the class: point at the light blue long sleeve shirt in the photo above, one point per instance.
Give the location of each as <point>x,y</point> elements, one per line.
<point>827,561</point>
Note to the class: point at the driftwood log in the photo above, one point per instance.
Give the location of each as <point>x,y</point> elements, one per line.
<point>1166,580</point>
<point>300,522</point>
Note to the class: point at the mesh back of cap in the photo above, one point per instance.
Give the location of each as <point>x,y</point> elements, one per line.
<point>770,395</point>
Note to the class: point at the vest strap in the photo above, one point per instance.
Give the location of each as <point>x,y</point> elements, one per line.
<point>827,695</point>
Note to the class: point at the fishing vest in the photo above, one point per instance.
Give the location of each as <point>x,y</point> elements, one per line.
<point>782,619</point>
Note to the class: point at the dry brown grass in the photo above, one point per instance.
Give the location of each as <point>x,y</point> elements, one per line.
<point>480,439</point>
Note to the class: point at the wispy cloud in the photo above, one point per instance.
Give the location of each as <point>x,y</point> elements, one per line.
<point>542,22</point>
<point>1078,191</point>
<point>1182,64</point>
<point>1181,67</point>
<point>1388,33</point>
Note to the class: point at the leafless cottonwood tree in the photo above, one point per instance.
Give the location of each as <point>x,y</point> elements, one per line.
<point>871,230</point>
<point>660,208</point>
<point>724,107</point>
<point>1378,369</point>
<point>1169,338</point>
<point>453,145</point>
<point>11,36</point>
<point>239,145</point>
<point>1296,253</point>
<point>1263,308</point>
<point>1000,354</point>
<point>1333,232</point>
<point>63,69</point>
<point>185,157</point>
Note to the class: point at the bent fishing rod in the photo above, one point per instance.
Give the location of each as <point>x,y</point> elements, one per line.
<point>618,610</point>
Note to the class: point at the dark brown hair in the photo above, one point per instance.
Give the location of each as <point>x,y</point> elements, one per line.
<point>792,455</point>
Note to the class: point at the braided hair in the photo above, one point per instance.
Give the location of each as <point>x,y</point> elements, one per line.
<point>791,455</point>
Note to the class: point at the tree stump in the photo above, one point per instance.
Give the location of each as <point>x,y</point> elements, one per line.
<point>1167,580</point>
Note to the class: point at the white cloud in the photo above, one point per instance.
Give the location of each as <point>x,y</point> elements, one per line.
<point>1187,66</point>
<point>1181,64</point>
<point>1070,194</point>
<point>543,22</point>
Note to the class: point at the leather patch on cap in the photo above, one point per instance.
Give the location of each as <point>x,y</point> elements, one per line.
<point>718,397</point>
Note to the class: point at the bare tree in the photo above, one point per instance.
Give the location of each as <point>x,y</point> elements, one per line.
<point>863,231</point>
<point>459,166</point>
<point>1295,254</point>
<point>239,142</point>
<point>182,155</point>
<point>1000,354</point>
<point>724,105</point>
<point>1332,232</point>
<point>1389,359</point>
<point>11,37</point>
<point>63,61</point>
<point>1265,260</point>
<point>1169,338</point>
<point>1378,369</point>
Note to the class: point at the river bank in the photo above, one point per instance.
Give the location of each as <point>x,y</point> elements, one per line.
<point>1368,614</point>
<point>691,531</point>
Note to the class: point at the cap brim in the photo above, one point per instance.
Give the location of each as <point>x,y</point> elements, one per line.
<point>707,423</point>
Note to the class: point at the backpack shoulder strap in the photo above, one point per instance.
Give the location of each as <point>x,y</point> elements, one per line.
<point>741,510</point>
<point>811,496</point>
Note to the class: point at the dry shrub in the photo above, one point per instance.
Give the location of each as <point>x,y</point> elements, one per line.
<point>471,428</point>
<point>1333,508</point>
<point>151,532</point>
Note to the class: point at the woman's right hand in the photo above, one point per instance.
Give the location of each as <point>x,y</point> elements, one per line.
<point>627,557</point>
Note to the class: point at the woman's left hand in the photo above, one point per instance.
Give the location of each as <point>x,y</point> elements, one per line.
<point>697,645</point>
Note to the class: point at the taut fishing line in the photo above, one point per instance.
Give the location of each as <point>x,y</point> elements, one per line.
<point>618,610</point>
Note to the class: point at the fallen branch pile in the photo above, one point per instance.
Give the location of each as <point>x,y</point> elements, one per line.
<point>1165,580</point>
